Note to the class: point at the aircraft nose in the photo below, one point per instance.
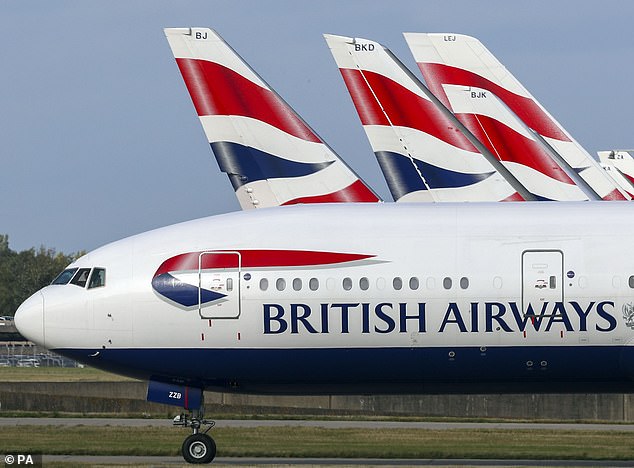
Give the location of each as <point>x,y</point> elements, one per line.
<point>29,318</point>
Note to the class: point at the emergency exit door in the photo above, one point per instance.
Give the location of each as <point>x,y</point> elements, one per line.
<point>542,279</point>
<point>219,285</point>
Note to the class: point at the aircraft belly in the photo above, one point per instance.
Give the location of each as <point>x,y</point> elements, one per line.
<point>373,368</point>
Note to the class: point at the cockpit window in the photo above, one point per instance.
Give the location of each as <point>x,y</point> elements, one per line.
<point>81,277</point>
<point>98,278</point>
<point>65,276</point>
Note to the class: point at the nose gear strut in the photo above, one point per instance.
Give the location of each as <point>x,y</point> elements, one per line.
<point>198,448</point>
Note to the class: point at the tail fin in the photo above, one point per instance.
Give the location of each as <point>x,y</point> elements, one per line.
<point>422,155</point>
<point>450,62</point>
<point>271,156</point>
<point>619,164</point>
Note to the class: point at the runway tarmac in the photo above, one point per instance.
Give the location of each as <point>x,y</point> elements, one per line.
<point>318,462</point>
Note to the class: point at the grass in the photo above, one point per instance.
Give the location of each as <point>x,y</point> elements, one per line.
<point>58,374</point>
<point>319,442</point>
<point>304,441</point>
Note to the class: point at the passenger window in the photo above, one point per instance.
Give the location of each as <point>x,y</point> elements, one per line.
<point>616,282</point>
<point>81,277</point>
<point>364,284</point>
<point>280,284</point>
<point>630,282</point>
<point>313,284</point>
<point>264,284</point>
<point>98,278</point>
<point>397,283</point>
<point>297,284</point>
<point>65,276</point>
<point>464,282</point>
<point>413,283</point>
<point>347,284</point>
<point>447,283</point>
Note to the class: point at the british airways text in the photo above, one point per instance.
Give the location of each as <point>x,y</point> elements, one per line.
<point>388,317</point>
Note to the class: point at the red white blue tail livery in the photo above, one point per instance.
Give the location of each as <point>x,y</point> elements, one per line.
<point>342,298</point>
<point>271,156</point>
<point>422,155</point>
<point>467,77</point>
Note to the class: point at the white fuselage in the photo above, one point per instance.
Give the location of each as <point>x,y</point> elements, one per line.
<point>360,297</point>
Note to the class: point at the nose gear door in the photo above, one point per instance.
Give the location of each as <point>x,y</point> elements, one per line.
<point>219,285</point>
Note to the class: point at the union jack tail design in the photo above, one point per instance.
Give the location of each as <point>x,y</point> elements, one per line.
<point>462,73</point>
<point>422,155</point>
<point>271,156</point>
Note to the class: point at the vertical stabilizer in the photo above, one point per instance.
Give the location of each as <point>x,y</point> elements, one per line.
<point>465,75</point>
<point>271,156</point>
<point>422,154</point>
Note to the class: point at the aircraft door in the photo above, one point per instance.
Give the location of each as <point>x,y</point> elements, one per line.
<point>542,278</point>
<point>219,285</point>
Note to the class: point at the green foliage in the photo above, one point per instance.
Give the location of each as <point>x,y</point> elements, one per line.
<point>23,273</point>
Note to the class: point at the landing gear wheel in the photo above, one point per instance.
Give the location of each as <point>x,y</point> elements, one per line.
<point>199,449</point>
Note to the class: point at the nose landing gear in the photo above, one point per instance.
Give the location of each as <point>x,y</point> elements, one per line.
<point>198,448</point>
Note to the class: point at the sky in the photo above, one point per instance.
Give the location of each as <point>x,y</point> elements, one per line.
<point>100,139</point>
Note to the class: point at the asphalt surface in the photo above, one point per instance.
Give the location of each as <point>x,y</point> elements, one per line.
<point>318,462</point>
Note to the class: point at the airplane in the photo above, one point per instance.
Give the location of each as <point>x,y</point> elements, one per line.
<point>353,298</point>
<point>422,152</point>
<point>471,81</point>
<point>359,298</point>
<point>271,156</point>
<point>619,164</point>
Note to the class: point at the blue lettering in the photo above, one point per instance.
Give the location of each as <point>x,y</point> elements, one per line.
<point>490,316</point>
<point>560,315</point>
<point>522,319</point>
<point>404,317</point>
<point>324,318</point>
<point>583,315</point>
<point>474,317</point>
<point>454,311</point>
<point>365,314</point>
<point>385,321</point>
<point>345,312</point>
<point>389,321</point>
<point>606,315</point>
<point>296,318</point>
<point>268,318</point>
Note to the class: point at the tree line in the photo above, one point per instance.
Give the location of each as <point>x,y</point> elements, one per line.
<point>24,273</point>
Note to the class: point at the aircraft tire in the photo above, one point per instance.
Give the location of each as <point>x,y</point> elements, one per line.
<point>199,449</point>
